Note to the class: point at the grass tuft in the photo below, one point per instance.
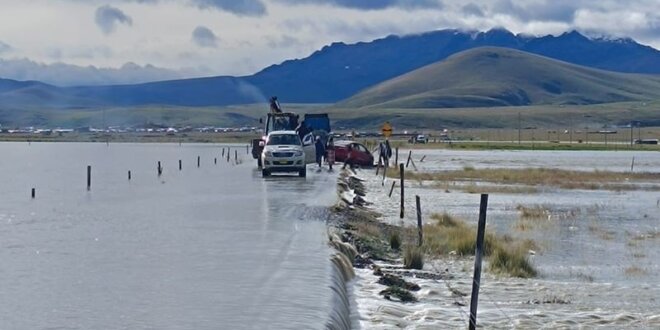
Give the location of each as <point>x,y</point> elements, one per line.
<point>533,212</point>
<point>512,261</point>
<point>413,258</point>
<point>449,234</point>
<point>395,241</point>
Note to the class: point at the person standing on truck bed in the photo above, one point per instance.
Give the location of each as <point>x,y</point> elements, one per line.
<point>275,105</point>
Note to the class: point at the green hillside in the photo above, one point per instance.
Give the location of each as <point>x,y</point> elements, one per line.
<point>490,76</point>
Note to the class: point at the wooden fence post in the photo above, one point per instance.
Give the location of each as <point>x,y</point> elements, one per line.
<point>402,178</point>
<point>391,189</point>
<point>89,177</point>
<point>420,227</point>
<point>198,161</point>
<point>33,193</point>
<point>396,157</point>
<point>159,169</point>
<point>474,300</point>
<point>180,165</point>
<point>409,157</point>
<point>129,175</point>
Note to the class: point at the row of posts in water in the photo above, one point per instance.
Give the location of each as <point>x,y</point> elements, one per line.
<point>159,168</point>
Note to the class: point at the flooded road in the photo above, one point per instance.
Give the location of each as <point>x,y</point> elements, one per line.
<point>596,250</point>
<point>214,247</point>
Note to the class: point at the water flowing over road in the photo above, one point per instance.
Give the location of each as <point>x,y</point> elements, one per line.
<point>214,247</point>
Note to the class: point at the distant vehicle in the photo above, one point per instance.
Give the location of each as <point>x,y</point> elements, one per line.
<point>361,154</point>
<point>283,152</point>
<point>421,139</point>
<point>646,141</point>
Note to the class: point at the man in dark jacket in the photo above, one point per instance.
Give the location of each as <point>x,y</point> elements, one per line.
<point>320,151</point>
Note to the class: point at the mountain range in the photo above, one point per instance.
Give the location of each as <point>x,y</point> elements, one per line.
<point>501,77</point>
<point>337,71</point>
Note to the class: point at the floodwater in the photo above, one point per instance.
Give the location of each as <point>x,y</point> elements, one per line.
<point>214,247</point>
<point>597,250</point>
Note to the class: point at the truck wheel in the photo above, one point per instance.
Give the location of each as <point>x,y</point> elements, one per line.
<point>265,173</point>
<point>302,173</point>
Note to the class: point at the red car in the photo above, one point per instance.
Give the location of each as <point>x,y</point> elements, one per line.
<point>361,155</point>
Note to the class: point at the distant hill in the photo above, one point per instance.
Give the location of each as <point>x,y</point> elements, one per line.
<point>337,71</point>
<point>492,76</point>
<point>340,70</point>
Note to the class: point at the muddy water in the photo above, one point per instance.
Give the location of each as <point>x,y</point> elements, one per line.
<point>215,247</point>
<point>597,250</point>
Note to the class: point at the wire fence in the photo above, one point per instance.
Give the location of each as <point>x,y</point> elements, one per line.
<point>411,217</point>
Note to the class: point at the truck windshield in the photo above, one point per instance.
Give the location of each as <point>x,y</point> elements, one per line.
<point>283,139</point>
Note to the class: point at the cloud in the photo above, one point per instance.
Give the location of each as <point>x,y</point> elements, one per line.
<point>472,9</point>
<point>4,47</point>
<point>371,4</point>
<point>204,37</point>
<point>284,41</point>
<point>70,75</point>
<point>238,7</point>
<point>108,17</point>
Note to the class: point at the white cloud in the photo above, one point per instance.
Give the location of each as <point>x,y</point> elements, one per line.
<point>239,7</point>
<point>257,33</point>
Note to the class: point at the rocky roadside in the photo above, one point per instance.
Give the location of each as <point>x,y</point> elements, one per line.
<point>378,259</point>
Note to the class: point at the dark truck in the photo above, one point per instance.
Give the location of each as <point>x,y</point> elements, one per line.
<point>317,124</point>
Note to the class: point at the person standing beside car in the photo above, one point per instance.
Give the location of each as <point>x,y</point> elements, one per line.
<point>330,152</point>
<point>349,157</point>
<point>320,151</point>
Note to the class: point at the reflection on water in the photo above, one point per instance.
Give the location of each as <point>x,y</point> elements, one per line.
<point>203,248</point>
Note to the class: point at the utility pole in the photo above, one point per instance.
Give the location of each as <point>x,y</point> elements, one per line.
<point>570,129</point>
<point>631,134</point>
<point>518,128</point>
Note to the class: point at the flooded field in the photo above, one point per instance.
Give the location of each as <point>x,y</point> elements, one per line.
<point>597,251</point>
<point>203,248</point>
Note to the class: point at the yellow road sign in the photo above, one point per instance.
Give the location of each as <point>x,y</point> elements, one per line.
<point>387,129</point>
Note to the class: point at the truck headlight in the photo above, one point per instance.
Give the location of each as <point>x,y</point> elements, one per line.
<point>268,154</point>
<point>298,154</point>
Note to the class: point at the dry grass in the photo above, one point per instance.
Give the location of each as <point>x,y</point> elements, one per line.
<point>565,179</point>
<point>413,258</point>
<point>533,212</point>
<point>449,234</point>
<point>512,261</point>
<point>395,241</point>
<point>650,235</point>
<point>606,235</point>
<point>634,271</point>
<point>472,188</point>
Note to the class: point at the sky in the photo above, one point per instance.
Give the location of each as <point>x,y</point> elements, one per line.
<point>70,42</point>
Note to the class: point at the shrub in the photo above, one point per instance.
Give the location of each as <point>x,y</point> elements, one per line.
<point>512,261</point>
<point>413,258</point>
<point>395,241</point>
